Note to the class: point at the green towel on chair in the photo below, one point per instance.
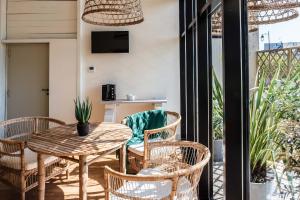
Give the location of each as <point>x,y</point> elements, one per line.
<point>142,121</point>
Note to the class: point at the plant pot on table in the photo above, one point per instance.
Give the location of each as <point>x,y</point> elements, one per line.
<point>83,129</point>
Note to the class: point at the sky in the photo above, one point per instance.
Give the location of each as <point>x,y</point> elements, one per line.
<point>288,31</point>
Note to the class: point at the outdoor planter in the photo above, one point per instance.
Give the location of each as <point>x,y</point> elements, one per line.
<point>218,151</point>
<point>262,191</point>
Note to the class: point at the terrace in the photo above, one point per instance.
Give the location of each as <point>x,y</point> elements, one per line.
<point>150,99</point>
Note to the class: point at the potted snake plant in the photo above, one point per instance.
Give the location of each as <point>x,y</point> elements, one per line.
<point>264,138</point>
<point>217,120</point>
<point>83,110</point>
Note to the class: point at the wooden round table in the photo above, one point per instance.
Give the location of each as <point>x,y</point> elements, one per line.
<point>64,142</point>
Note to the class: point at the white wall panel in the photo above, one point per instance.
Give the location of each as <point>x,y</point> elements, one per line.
<point>41,19</point>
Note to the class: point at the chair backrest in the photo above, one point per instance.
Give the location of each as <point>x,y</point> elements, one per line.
<point>184,159</point>
<point>169,130</point>
<point>21,128</point>
<point>180,165</point>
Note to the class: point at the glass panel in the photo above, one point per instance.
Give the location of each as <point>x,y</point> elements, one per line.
<point>274,69</point>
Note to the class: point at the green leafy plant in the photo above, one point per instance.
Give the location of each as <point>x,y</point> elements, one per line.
<point>83,110</point>
<point>264,135</point>
<point>287,91</point>
<point>290,157</point>
<point>217,118</point>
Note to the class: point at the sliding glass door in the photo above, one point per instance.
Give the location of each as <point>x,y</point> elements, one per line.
<point>214,92</point>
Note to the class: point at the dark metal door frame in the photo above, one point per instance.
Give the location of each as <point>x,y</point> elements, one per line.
<point>236,88</point>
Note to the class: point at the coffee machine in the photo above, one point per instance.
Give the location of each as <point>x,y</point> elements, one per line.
<point>108,92</point>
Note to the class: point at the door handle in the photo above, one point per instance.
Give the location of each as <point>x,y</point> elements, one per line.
<point>46,90</point>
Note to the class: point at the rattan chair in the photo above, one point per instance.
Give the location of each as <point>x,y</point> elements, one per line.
<point>18,164</point>
<point>136,153</point>
<point>173,171</point>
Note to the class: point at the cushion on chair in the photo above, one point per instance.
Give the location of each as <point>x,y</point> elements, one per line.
<point>30,160</point>
<point>151,190</point>
<point>142,121</point>
<point>139,148</point>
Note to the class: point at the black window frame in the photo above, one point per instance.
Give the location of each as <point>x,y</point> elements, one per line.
<point>196,81</point>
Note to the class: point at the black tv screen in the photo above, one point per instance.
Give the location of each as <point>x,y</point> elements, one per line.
<point>110,42</point>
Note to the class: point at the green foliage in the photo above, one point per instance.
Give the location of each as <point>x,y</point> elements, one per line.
<point>83,110</point>
<point>290,148</point>
<point>272,102</point>
<point>217,118</point>
<point>287,92</point>
<point>289,155</point>
<point>264,121</point>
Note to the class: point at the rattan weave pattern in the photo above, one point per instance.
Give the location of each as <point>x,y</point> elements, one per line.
<point>180,167</point>
<point>14,136</point>
<point>271,16</point>
<point>166,133</point>
<point>113,12</point>
<point>272,4</point>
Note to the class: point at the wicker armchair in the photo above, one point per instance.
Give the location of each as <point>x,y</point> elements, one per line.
<point>173,172</point>
<point>136,153</point>
<point>18,164</point>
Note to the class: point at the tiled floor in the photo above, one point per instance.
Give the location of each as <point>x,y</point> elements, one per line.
<point>283,195</point>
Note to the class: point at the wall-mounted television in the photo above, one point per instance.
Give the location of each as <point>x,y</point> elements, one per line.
<point>110,42</point>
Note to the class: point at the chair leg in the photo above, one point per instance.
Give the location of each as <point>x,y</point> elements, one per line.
<point>133,164</point>
<point>23,187</point>
<point>67,169</point>
<point>67,173</point>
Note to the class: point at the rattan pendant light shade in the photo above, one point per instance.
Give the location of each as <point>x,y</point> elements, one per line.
<point>113,12</point>
<point>274,4</point>
<point>271,16</point>
<point>216,27</point>
<point>255,18</point>
<point>261,12</point>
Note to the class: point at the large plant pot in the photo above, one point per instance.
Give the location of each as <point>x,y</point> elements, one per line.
<point>218,151</point>
<point>262,191</point>
<point>83,129</point>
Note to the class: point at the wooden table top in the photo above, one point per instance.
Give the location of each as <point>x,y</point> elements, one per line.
<point>64,140</point>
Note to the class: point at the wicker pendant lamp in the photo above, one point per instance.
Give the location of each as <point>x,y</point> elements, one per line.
<point>216,21</point>
<point>271,16</point>
<point>256,18</point>
<point>113,12</point>
<point>273,4</point>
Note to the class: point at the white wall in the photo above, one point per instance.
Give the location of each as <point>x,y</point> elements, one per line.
<point>62,78</point>
<point>151,69</point>
<point>253,48</point>
<point>2,59</point>
<point>217,57</point>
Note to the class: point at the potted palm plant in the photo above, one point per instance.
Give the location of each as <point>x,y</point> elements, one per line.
<point>83,110</point>
<point>217,119</point>
<point>264,138</point>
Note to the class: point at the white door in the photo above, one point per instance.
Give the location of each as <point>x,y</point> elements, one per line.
<point>27,80</point>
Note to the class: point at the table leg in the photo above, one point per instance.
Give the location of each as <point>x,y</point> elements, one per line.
<point>83,177</point>
<point>110,112</point>
<point>42,176</point>
<point>123,159</point>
